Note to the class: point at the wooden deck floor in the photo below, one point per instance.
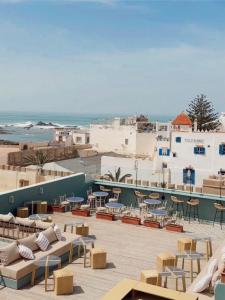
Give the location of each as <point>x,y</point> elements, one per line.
<point>130,249</point>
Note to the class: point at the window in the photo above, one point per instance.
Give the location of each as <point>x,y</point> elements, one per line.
<point>178,139</point>
<point>126,141</point>
<point>222,149</point>
<point>199,150</point>
<point>78,139</point>
<point>88,140</point>
<point>164,152</point>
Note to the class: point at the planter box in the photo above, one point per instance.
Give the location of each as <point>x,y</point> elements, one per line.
<point>58,208</point>
<point>131,220</point>
<point>105,216</point>
<point>153,224</point>
<point>81,212</point>
<point>49,209</point>
<point>175,227</point>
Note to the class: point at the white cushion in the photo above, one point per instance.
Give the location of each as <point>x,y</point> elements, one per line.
<point>58,232</point>
<point>202,284</point>
<point>25,252</point>
<point>42,242</point>
<point>212,267</point>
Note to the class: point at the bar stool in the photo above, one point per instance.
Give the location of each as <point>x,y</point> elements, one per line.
<point>116,192</point>
<point>104,189</point>
<point>192,205</point>
<point>219,209</point>
<point>178,203</point>
<point>155,196</point>
<point>140,201</point>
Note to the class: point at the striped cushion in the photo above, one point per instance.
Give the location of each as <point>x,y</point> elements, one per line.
<point>58,232</point>
<point>42,242</point>
<point>25,252</point>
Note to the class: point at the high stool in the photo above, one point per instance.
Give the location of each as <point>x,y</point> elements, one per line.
<point>178,203</point>
<point>116,192</point>
<point>22,212</point>
<point>63,281</point>
<point>155,196</point>
<point>98,258</point>
<point>140,198</point>
<point>219,209</point>
<point>42,207</point>
<point>192,206</point>
<point>165,259</point>
<point>151,277</point>
<point>104,189</point>
<point>82,229</point>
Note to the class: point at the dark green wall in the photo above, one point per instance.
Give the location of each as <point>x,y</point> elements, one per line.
<point>206,208</point>
<point>67,185</point>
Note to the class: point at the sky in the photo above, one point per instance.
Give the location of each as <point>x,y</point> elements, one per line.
<point>111,56</point>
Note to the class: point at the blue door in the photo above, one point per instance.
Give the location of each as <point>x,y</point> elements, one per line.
<point>189,176</point>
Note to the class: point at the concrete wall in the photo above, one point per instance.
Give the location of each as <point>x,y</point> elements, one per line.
<point>145,168</point>
<point>10,176</point>
<point>54,154</point>
<point>5,150</point>
<point>48,191</point>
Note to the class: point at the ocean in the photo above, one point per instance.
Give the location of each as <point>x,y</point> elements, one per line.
<point>15,124</point>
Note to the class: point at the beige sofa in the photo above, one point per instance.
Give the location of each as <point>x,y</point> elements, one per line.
<point>18,274</point>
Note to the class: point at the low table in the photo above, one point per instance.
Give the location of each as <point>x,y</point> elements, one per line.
<point>46,262</point>
<point>73,224</point>
<point>152,202</point>
<point>32,203</point>
<point>36,217</point>
<point>190,255</point>
<point>83,241</point>
<point>114,206</point>
<point>75,201</point>
<point>101,196</point>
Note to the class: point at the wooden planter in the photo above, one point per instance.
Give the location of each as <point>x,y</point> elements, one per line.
<point>131,220</point>
<point>58,208</point>
<point>81,212</point>
<point>175,227</point>
<point>153,224</point>
<point>105,216</point>
<point>49,209</point>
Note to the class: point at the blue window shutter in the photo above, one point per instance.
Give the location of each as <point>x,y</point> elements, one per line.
<point>168,152</point>
<point>195,150</point>
<point>203,150</point>
<point>184,176</point>
<point>193,177</point>
<point>178,139</point>
<point>220,150</point>
<point>160,152</point>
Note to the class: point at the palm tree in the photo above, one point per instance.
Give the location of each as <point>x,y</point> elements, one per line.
<point>116,177</point>
<point>39,158</point>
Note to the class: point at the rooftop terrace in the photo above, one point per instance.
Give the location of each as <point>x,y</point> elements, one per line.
<point>130,250</point>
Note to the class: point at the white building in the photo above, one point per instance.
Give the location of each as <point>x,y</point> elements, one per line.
<point>72,136</point>
<point>187,156</point>
<point>124,136</point>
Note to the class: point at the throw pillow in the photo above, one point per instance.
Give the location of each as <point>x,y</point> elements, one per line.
<point>50,234</point>
<point>58,232</point>
<point>25,252</point>
<point>9,254</point>
<point>42,242</point>
<point>29,242</point>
